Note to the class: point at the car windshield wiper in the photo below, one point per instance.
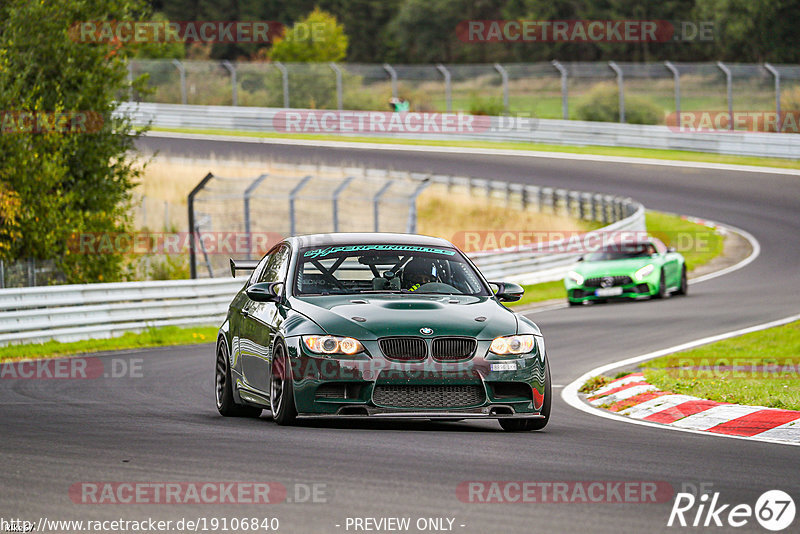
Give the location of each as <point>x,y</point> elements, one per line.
<point>401,291</point>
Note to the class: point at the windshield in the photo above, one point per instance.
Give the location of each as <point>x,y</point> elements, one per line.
<point>354,269</point>
<point>622,252</point>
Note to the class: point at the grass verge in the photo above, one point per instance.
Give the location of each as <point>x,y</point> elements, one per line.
<point>698,244</point>
<point>152,337</point>
<point>760,369</point>
<point>649,153</point>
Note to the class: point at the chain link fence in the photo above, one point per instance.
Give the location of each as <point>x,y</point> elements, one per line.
<point>544,90</point>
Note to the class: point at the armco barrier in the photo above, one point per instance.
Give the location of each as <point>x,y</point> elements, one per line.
<point>547,131</point>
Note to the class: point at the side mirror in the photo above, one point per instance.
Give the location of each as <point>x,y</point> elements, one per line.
<point>265,291</point>
<point>580,258</point>
<point>508,292</point>
<point>671,249</point>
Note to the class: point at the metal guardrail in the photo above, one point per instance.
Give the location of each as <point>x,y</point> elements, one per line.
<point>72,312</point>
<point>546,131</point>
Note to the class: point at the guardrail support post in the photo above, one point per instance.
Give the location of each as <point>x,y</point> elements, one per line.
<point>234,89</point>
<point>411,225</point>
<point>192,227</point>
<point>376,200</point>
<point>677,76</point>
<point>130,80</point>
<point>292,196</point>
<point>248,193</point>
<point>336,192</point>
<point>447,89</point>
<point>564,97</point>
<point>393,75</point>
<point>504,75</point>
<point>729,85</point>
<point>285,82</point>
<point>182,72</point>
<point>777,75</point>
<point>621,89</point>
<point>338,73</point>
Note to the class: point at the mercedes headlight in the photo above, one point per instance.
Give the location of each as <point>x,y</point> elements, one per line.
<point>644,272</point>
<point>575,277</point>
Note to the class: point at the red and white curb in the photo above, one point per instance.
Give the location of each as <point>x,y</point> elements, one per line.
<point>634,397</point>
<point>687,418</point>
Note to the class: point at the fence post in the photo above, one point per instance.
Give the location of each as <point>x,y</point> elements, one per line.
<point>285,82</point>
<point>248,193</point>
<point>338,73</point>
<point>130,80</point>
<point>621,88</point>
<point>447,92</point>
<point>729,84</point>
<point>182,72</point>
<point>777,76</point>
<point>393,74</point>
<point>411,225</point>
<point>166,215</point>
<point>677,76</point>
<point>376,200</point>
<point>336,192</point>
<point>292,196</point>
<point>504,75</point>
<point>234,89</point>
<point>564,97</point>
<point>192,227</point>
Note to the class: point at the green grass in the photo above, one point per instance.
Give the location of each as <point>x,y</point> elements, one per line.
<point>152,337</point>
<point>776,347</point>
<point>698,244</point>
<point>648,153</point>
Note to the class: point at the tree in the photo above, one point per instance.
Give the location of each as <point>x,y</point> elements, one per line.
<point>316,38</point>
<point>75,179</point>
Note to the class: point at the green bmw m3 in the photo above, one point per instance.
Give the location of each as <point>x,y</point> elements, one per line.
<point>378,326</point>
<point>639,269</point>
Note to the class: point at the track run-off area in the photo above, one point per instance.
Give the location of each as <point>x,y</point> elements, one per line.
<point>160,424</point>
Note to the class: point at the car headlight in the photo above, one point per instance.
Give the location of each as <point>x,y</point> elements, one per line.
<point>521,344</point>
<point>644,272</point>
<point>333,345</point>
<point>575,277</point>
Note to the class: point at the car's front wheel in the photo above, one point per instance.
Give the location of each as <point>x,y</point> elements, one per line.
<point>524,425</point>
<point>683,289</point>
<point>281,390</point>
<point>662,287</point>
<point>224,387</point>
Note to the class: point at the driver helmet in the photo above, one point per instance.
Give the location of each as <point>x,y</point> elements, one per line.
<point>417,272</point>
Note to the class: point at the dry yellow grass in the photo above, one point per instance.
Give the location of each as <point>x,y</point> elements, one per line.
<point>442,213</point>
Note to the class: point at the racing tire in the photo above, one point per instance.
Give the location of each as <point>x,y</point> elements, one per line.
<point>281,389</point>
<point>683,289</point>
<point>662,287</point>
<point>525,425</point>
<point>223,383</point>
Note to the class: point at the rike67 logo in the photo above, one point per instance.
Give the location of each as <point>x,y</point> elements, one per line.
<point>774,510</point>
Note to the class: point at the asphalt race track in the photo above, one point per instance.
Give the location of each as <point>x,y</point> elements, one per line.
<point>163,426</point>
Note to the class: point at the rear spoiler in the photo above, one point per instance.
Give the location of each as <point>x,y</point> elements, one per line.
<point>242,265</point>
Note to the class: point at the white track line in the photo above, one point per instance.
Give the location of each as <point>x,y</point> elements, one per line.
<point>475,151</point>
<point>571,397</point>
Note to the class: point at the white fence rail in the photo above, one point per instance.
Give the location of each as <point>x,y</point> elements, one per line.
<point>547,131</point>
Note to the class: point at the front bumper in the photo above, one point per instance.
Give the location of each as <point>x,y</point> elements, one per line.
<point>580,293</point>
<point>470,389</point>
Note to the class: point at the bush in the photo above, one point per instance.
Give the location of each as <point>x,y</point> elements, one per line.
<point>601,104</point>
<point>485,106</point>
